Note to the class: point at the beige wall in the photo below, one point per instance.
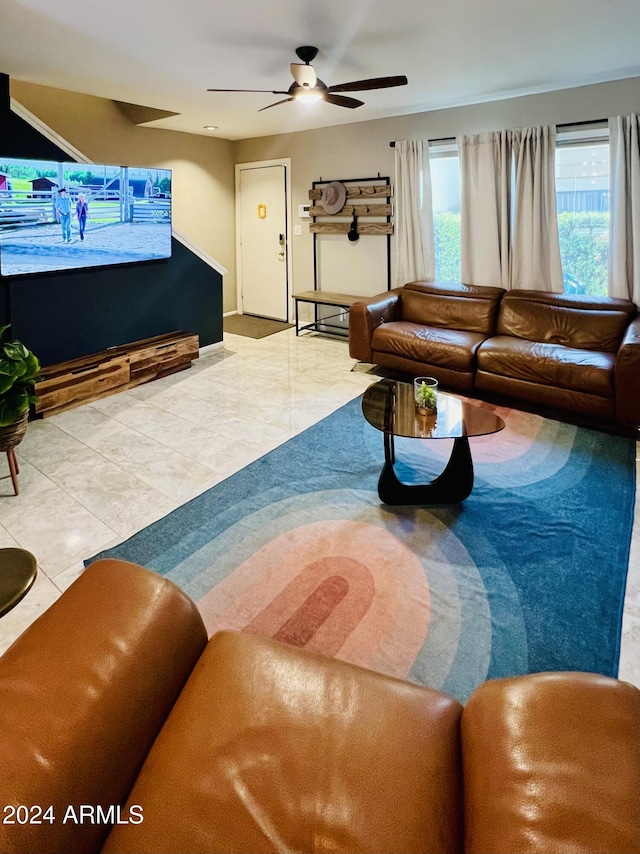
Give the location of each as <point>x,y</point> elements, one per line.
<point>362,150</point>
<point>204,167</point>
<point>203,171</point>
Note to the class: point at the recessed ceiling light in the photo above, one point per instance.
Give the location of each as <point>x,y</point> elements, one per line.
<point>210,127</point>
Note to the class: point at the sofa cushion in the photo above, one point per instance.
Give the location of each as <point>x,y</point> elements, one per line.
<point>588,323</point>
<point>83,693</point>
<point>552,763</point>
<point>548,364</point>
<point>272,749</point>
<point>447,348</point>
<point>474,309</point>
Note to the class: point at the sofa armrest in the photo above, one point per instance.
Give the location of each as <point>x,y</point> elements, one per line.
<point>626,376</point>
<point>364,318</point>
<point>551,762</point>
<point>83,693</point>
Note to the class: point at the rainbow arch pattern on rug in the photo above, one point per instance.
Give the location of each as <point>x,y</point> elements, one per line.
<point>297,546</point>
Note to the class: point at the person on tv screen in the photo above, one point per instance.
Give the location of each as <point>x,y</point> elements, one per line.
<point>82,213</point>
<point>63,209</point>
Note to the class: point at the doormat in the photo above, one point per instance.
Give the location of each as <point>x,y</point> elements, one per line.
<point>527,574</point>
<point>253,327</point>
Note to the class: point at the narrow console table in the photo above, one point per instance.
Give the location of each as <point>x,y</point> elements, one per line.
<point>343,301</point>
<point>68,384</point>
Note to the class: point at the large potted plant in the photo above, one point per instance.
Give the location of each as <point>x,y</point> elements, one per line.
<point>18,369</point>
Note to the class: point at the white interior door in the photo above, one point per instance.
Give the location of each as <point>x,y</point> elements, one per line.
<point>263,241</point>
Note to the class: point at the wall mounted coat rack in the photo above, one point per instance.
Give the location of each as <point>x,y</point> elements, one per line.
<point>366,198</point>
<point>367,211</point>
<point>357,204</point>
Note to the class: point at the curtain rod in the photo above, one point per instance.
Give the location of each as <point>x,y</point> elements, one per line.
<point>576,124</point>
<point>564,125</point>
<point>442,139</point>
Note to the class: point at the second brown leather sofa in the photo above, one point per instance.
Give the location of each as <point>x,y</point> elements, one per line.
<point>123,730</point>
<point>576,353</point>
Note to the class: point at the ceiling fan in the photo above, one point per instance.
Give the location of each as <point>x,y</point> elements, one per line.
<point>308,87</point>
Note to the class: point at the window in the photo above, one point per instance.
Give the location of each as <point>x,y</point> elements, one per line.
<point>445,190</point>
<point>582,198</point>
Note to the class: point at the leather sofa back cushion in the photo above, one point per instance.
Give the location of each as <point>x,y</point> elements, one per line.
<point>272,748</point>
<point>446,308</point>
<point>551,763</point>
<point>568,321</point>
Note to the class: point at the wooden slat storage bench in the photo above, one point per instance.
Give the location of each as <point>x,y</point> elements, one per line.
<point>68,384</point>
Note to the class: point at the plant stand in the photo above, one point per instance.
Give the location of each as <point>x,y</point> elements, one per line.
<point>10,438</point>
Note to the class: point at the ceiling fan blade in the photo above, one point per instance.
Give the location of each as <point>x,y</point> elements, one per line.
<point>342,101</point>
<point>373,83</point>
<point>303,74</point>
<point>268,107</point>
<point>270,91</point>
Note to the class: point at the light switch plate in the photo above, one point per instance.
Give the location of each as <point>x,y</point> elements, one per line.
<point>297,230</point>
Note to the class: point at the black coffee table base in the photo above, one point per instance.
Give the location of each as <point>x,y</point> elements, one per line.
<point>453,485</point>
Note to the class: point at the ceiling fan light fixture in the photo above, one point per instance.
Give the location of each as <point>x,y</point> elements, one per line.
<point>308,88</point>
<point>308,96</point>
<point>304,75</point>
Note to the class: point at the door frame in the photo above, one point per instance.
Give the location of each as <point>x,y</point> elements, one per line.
<point>258,164</point>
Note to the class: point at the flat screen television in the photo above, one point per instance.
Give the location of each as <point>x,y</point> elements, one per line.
<point>66,216</point>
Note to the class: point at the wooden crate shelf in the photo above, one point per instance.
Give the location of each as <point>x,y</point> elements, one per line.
<point>68,384</point>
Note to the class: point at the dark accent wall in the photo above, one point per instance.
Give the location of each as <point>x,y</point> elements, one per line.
<point>64,315</point>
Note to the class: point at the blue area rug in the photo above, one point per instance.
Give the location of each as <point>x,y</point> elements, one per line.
<point>528,574</point>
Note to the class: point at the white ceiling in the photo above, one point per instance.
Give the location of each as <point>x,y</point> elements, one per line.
<point>165,53</point>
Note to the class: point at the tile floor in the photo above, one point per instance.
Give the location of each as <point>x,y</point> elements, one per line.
<point>93,476</point>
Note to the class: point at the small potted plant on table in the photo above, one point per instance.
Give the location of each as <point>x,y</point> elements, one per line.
<point>426,395</point>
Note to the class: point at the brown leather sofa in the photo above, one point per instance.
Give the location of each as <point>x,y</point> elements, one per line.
<point>576,353</point>
<point>124,731</point>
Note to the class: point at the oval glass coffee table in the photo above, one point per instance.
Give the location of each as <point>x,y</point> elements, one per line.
<point>389,406</point>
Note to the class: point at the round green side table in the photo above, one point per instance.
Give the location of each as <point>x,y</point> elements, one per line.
<point>18,570</point>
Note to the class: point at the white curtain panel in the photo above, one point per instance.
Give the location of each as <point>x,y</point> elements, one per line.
<point>414,241</point>
<point>535,246</point>
<point>624,224</point>
<point>485,176</point>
